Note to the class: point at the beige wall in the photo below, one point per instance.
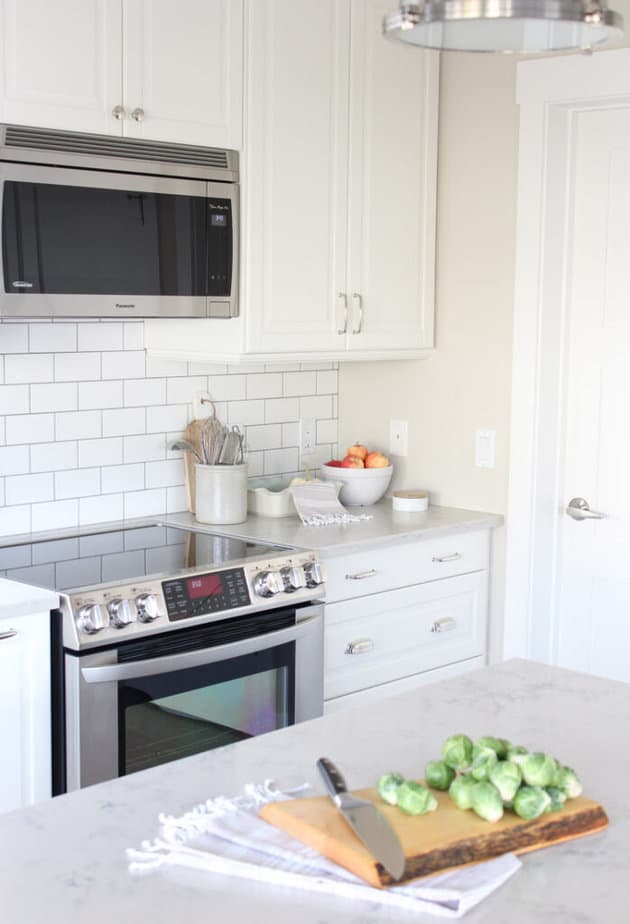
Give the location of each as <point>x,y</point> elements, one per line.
<point>465,384</point>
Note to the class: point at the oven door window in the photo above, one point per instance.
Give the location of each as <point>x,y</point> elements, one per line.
<point>169,716</point>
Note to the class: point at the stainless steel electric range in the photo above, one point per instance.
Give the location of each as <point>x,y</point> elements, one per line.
<point>171,642</point>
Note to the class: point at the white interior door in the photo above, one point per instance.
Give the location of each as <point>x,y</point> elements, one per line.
<point>593,581</point>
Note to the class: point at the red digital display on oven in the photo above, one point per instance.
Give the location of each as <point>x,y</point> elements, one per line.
<point>208,585</point>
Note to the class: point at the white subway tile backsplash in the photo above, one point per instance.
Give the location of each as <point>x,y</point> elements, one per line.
<point>62,396</point>
<point>30,428</point>
<point>77,425</point>
<point>52,338</point>
<point>28,367</point>
<point>116,479</point>
<point>80,482</point>
<point>28,489</point>
<point>124,421</point>
<point>124,365</point>
<point>93,395</point>
<point>100,336</point>
<point>14,399</point>
<point>14,460</point>
<point>86,419</point>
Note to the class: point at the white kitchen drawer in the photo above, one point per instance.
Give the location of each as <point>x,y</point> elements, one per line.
<point>403,632</point>
<point>388,567</point>
<point>375,694</point>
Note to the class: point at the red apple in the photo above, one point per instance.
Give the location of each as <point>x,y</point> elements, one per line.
<point>352,462</point>
<point>376,460</point>
<point>358,450</point>
<point>336,463</point>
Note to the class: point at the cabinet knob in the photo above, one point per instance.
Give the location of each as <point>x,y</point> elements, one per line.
<point>441,559</point>
<point>358,302</point>
<point>360,646</point>
<point>447,624</point>
<point>118,112</point>
<point>362,575</point>
<point>344,299</point>
<point>138,114</point>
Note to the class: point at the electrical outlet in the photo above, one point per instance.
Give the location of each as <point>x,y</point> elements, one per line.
<point>308,436</point>
<point>398,437</point>
<point>485,448</point>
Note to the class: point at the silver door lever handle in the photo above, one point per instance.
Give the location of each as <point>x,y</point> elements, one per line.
<point>579,509</point>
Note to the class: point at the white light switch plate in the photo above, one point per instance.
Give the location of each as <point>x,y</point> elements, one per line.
<point>308,436</point>
<point>398,437</point>
<point>485,448</point>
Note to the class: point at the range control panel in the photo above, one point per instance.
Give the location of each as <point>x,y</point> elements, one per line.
<point>214,592</point>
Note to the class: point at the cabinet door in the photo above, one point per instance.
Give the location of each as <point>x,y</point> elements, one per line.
<point>295,192</point>
<point>393,145</point>
<point>25,771</point>
<point>62,64</point>
<point>183,64</point>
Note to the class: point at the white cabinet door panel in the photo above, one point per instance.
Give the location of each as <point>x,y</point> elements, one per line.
<point>393,150</point>
<point>62,64</point>
<point>183,69</point>
<point>295,189</point>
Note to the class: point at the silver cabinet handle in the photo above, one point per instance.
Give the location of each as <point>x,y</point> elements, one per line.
<point>361,575</point>
<point>8,633</point>
<point>344,329</point>
<point>578,509</point>
<point>444,558</point>
<point>360,646</point>
<point>138,114</point>
<point>447,624</point>
<point>118,112</point>
<point>358,301</point>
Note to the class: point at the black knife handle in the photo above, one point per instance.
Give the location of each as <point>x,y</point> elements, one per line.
<point>334,781</point>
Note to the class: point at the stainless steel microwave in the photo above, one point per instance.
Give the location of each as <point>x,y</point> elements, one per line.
<point>94,226</point>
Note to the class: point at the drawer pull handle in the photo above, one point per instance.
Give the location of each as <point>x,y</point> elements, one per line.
<point>361,575</point>
<point>9,633</point>
<point>444,558</point>
<point>444,625</point>
<point>360,646</point>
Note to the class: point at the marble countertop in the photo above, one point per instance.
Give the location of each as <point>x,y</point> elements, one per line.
<point>21,599</point>
<point>63,861</point>
<point>384,528</point>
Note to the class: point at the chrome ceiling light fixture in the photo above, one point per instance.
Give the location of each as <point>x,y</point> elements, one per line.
<point>505,25</point>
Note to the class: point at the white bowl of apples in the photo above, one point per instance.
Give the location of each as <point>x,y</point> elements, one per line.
<point>364,475</point>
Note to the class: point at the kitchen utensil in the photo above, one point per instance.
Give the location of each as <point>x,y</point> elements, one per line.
<point>213,435</point>
<point>232,449</point>
<point>184,446</point>
<point>192,435</point>
<point>365,820</point>
<point>437,841</point>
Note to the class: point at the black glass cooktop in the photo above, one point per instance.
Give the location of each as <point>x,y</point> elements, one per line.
<point>131,553</point>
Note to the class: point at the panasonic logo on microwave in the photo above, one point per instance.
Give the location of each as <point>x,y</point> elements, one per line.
<point>124,306</point>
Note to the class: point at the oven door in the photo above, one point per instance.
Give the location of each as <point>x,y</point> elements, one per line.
<point>188,691</point>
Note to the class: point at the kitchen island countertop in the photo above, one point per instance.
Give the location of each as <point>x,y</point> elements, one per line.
<point>63,861</point>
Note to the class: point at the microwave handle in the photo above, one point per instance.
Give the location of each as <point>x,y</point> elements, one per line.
<point>129,670</point>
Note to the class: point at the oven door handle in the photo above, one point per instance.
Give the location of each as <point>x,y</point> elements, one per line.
<point>129,670</point>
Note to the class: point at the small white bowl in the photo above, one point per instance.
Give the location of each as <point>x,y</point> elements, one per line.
<point>360,486</point>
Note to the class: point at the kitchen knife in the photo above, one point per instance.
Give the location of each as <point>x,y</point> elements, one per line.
<point>365,820</point>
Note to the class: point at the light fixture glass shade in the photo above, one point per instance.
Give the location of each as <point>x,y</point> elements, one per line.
<point>504,25</point>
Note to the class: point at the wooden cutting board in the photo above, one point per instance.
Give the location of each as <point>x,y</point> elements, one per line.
<point>435,842</point>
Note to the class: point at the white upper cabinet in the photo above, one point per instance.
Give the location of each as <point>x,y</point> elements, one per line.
<point>61,64</point>
<point>183,73</point>
<point>139,68</point>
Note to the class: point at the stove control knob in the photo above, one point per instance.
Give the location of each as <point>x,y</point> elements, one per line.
<point>91,619</point>
<point>268,583</point>
<point>147,607</point>
<point>293,578</point>
<point>314,574</point>
<point>120,613</point>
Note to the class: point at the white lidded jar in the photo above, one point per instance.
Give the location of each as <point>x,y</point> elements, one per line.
<point>221,493</point>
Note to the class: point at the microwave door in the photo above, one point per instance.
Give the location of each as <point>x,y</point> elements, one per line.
<point>83,243</point>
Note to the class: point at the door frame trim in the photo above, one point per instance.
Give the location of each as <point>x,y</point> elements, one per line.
<point>551,92</point>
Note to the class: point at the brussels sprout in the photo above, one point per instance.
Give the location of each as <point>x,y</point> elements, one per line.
<point>457,752</point>
<point>460,791</point>
<point>415,799</point>
<point>558,798</point>
<point>530,802</point>
<point>438,775</point>
<point>486,801</point>
<point>539,769</point>
<point>482,764</point>
<point>387,787</point>
<point>498,745</point>
<point>568,782</point>
<point>516,753</point>
<point>507,777</point>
